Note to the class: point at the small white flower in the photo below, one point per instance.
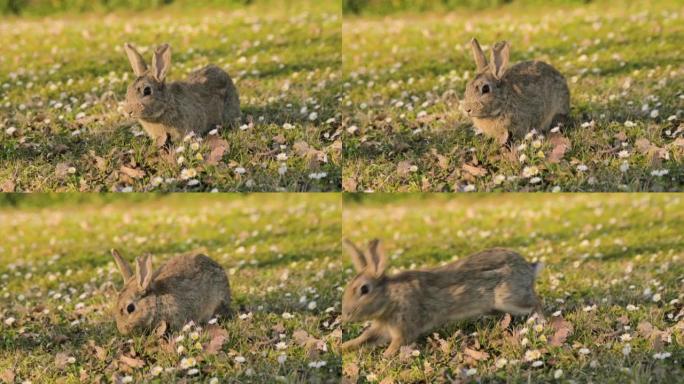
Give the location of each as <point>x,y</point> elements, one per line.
<point>312,305</point>
<point>623,154</point>
<point>530,171</point>
<point>282,358</point>
<point>626,337</point>
<point>288,126</point>
<point>313,116</point>
<point>80,115</point>
<point>127,379</point>
<point>192,371</point>
<point>624,167</point>
<point>415,353</point>
<point>281,345</point>
<point>213,132</point>
<point>180,350</point>
<point>240,359</point>
<point>556,189</point>
<point>662,355</point>
<point>9,321</point>
<point>469,188</point>
<point>156,370</point>
<point>244,127</point>
<point>582,168</point>
<point>498,179</point>
<point>629,124</point>
<point>10,131</point>
<point>352,129</point>
<point>660,172</point>
<point>240,170</point>
<point>535,180</point>
<point>654,113</point>
<point>421,114</point>
<point>471,372</point>
<point>214,380</point>
<point>631,307</point>
<point>188,362</point>
<point>500,363</point>
<point>532,354</point>
<point>413,168</point>
<point>317,364</point>
<point>656,297</point>
<point>537,363</point>
<point>213,321</point>
<point>281,157</point>
<point>287,315</point>
<point>584,351</point>
<point>557,374</point>
<point>556,314</point>
<point>626,350</point>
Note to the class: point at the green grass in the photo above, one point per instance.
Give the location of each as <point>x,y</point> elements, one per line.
<point>609,251</point>
<point>58,281</point>
<point>63,81</point>
<point>405,75</point>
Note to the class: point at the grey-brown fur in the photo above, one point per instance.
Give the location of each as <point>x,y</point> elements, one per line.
<point>529,95</point>
<point>206,99</point>
<point>404,306</point>
<point>186,288</point>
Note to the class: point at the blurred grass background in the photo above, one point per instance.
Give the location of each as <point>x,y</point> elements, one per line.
<point>385,7</point>
<point>48,7</point>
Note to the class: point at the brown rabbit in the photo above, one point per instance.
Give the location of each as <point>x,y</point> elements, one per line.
<point>186,288</point>
<point>404,306</point>
<point>504,102</point>
<point>170,111</point>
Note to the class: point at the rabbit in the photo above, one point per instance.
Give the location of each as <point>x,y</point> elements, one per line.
<point>406,305</point>
<point>186,288</point>
<point>507,103</point>
<point>172,110</point>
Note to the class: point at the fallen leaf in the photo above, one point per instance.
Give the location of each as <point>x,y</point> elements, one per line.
<point>8,186</point>
<point>621,136</point>
<point>560,146</point>
<point>61,360</point>
<point>351,371</point>
<point>8,375</point>
<point>562,328</point>
<point>132,361</point>
<point>217,336</point>
<point>349,184</point>
<point>643,145</point>
<point>474,170</point>
<point>133,173</point>
<point>403,168</point>
<point>477,355</point>
<point>218,148</point>
<point>61,169</point>
<point>506,321</point>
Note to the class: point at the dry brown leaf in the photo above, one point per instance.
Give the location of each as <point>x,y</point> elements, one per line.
<point>560,146</point>
<point>133,173</point>
<point>61,360</point>
<point>61,169</point>
<point>218,148</point>
<point>7,376</point>
<point>474,170</point>
<point>477,355</point>
<point>100,352</point>
<point>645,329</point>
<point>562,328</point>
<point>506,321</point>
<point>8,186</point>
<point>349,184</point>
<point>217,336</point>
<point>131,361</point>
<point>643,145</point>
<point>621,136</point>
<point>306,151</point>
<point>403,168</point>
<point>351,371</point>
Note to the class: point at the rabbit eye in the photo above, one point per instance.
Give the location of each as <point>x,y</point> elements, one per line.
<point>130,308</point>
<point>364,289</point>
<point>147,91</point>
<point>485,89</point>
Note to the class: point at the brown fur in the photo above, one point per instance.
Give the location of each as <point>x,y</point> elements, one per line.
<point>529,95</point>
<point>404,306</point>
<point>208,98</point>
<point>186,288</point>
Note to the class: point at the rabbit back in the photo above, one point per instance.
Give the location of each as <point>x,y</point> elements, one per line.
<point>191,287</point>
<point>537,95</point>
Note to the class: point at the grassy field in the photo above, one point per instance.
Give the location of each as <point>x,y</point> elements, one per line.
<point>63,81</point>
<point>404,76</point>
<point>58,281</point>
<point>613,277</point>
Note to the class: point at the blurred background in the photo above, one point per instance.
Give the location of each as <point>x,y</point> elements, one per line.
<point>382,7</point>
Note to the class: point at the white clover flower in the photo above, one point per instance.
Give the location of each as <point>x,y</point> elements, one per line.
<point>240,170</point>
<point>557,374</point>
<point>240,359</point>
<point>281,345</point>
<point>192,372</point>
<point>281,157</point>
<point>313,116</point>
<point>500,363</point>
<point>287,315</point>
<point>312,305</point>
<point>631,307</point>
<point>188,362</point>
<point>629,124</point>
<point>532,354</point>
<point>584,351</point>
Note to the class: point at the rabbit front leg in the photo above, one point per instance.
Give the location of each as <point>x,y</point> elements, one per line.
<point>398,337</point>
<point>370,334</point>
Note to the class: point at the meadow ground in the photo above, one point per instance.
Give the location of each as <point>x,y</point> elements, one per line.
<point>405,74</point>
<point>63,81</point>
<point>611,287</point>
<point>58,281</point>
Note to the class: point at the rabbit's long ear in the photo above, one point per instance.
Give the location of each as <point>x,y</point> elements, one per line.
<point>500,53</point>
<point>478,55</point>
<point>377,261</point>
<point>123,265</point>
<point>143,272</point>
<point>161,61</point>
<point>137,61</point>
<point>357,256</point>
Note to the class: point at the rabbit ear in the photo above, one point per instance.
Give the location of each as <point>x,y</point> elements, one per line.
<point>357,256</point>
<point>377,261</point>
<point>137,61</point>
<point>161,61</point>
<point>123,265</point>
<point>143,271</point>
<point>500,53</point>
<point>478,55</point>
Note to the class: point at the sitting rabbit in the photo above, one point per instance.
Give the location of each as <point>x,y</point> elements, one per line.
<point>404,306</point>
<point>504,102</point>
<point>186,288</point>
<point>208,98</point>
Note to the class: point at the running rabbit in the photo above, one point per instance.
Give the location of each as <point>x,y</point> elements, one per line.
<point>186,288</point>
<point>510,102</point>
<point>208,98</point>
<point>404,306</point>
